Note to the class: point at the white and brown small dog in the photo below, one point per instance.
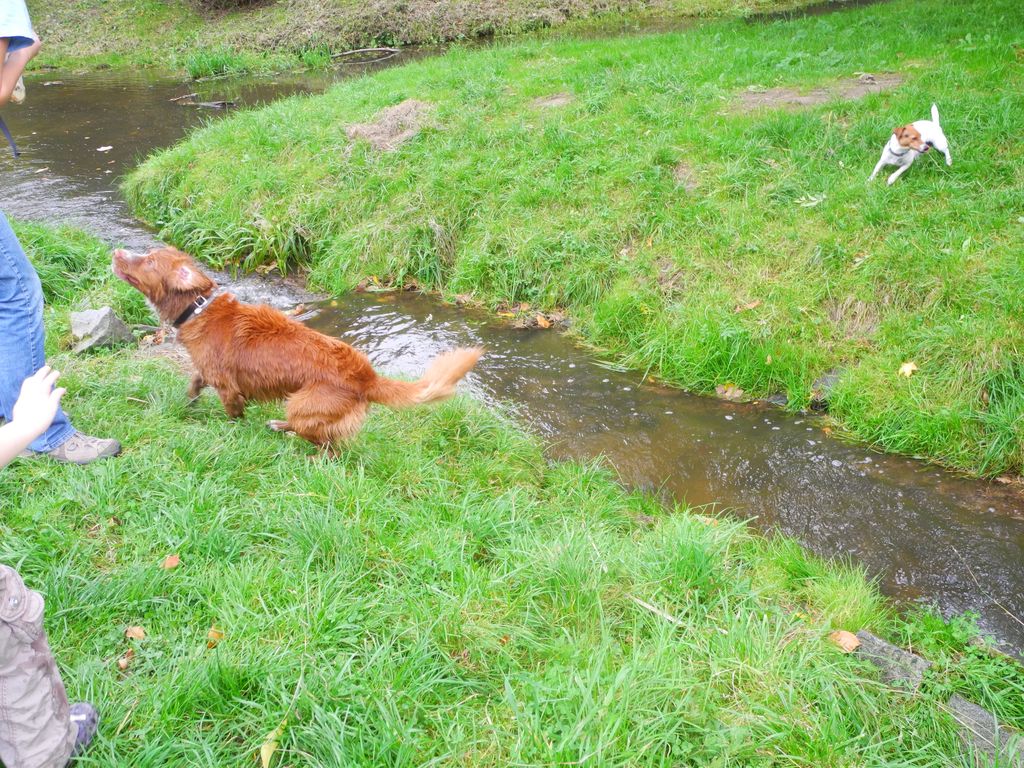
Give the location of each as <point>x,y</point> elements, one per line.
<point>909,141</point>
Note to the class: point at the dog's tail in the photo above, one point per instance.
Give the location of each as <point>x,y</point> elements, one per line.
<point>935,114</point>
<point>438,383</point>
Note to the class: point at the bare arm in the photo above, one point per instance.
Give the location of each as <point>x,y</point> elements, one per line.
<point>33,413</point>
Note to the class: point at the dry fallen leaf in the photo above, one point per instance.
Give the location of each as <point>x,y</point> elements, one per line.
<point>749,305</point>
<point>543,322</point>
<point>270,744</point>
<point>135,633</point>
<point>907,369</point>
<point>847,641</point>
<point>729,391</point>
<point>506,314</point>
<point>170,562</point>
<point>827,431</point>
<point>125,660</point>
<point>213,637</point>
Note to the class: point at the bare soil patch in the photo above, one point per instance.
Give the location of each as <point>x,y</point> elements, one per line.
<point>685,177</point>
<point>165,345</point>
<point>669,276</point>
<point>792,98</point>
<point>853,317</point>
<point>393,126</point>
<point>554,100</point>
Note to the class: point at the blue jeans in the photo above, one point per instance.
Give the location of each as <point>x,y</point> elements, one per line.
<point>21,333</point>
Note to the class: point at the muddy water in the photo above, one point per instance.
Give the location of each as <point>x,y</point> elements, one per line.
<point>927,535</point>
<point>79,133</point>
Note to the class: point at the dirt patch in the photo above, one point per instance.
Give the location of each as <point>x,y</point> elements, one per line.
<point>164,345</point>
<point>854,318</point>
<point>554,100</point>
<point>685,177</point>
<point>393,126</point>
<point>791,98</point>
<point>669,276</point>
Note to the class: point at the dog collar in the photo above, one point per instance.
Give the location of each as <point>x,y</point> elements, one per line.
<point>195,308</point>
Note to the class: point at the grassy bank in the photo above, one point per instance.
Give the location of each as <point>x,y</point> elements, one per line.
<point>441,594</point>
<point>709,241</point>
<point>282,34</point>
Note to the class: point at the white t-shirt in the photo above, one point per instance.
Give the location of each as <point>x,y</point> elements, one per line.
<point>14,21</point>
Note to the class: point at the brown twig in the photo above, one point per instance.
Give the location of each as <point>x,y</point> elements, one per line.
<point>987,594</point>
<point>656,611</point>
<point>389,52</point>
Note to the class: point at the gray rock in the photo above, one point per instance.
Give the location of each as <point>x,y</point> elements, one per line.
<point>778,399</point>
<point>898,667</point>
<point>824,385</point>
<point>989,743</point>
<point>98,328</point>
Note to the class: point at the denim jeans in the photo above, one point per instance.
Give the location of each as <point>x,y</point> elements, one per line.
<point>21,333</point>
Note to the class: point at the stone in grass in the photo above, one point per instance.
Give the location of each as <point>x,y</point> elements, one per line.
<point>824,386</point>
<point>898,667</point>
<point>95,328</point>
<point>989,743</point>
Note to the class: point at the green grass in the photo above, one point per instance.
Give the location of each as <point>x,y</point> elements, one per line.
<point>578,207</point>
<point>281,34</point>
<point>442,594</point>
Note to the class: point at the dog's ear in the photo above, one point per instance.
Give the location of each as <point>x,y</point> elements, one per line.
<point>121,253</point>
<point>896,131</point>
<point>186,278</point>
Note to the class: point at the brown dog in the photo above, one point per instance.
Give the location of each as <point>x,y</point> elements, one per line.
<point>253,352</point>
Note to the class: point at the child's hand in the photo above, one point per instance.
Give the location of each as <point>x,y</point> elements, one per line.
<point>38,402</point>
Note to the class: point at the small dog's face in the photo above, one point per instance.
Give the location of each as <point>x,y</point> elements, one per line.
<point>164,275</point>
<point>908,136</point>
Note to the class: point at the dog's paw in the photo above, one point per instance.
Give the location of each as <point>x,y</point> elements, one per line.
<point>279,426</point>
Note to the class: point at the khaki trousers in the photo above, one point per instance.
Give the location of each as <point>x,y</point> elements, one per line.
<point>35,727</point>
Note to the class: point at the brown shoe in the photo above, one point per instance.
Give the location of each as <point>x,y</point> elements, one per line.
<point>83,449</point>
<point>18,95</point>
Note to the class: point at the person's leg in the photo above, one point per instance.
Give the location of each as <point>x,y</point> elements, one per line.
<point>21,354</point>
<point>13,66</point>
<point>37,727</point>
<point>21,333</point>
